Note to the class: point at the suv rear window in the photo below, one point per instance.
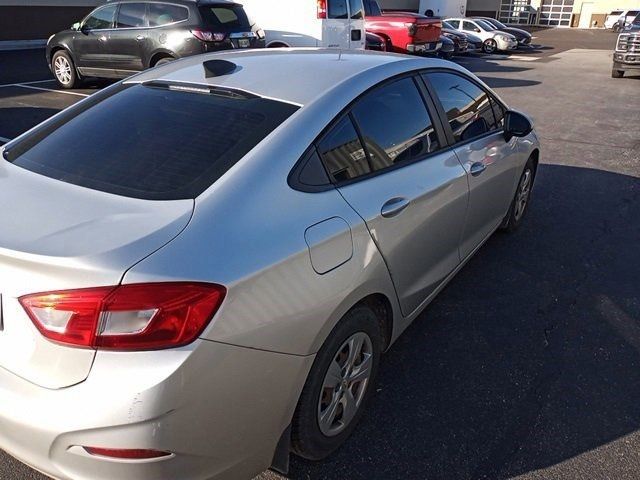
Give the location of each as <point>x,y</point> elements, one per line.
<point>224,16</point>
<point>155,143</point>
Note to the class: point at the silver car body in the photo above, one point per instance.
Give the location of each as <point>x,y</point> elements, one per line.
<point>293,264</point>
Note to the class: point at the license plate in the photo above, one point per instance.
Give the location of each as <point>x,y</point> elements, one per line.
<point>244,43</point>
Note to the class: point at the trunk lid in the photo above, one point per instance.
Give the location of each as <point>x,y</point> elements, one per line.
<point>60,236</point>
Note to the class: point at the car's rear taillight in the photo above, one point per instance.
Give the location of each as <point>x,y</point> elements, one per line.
<point>207,36</point>
<point>412,28</point>
<point>127,317</point>
<point>322,9</point>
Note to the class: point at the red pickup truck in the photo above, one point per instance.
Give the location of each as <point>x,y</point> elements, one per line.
<point>404,32</point>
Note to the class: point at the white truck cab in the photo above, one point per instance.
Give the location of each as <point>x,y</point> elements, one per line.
<point>310,23</point>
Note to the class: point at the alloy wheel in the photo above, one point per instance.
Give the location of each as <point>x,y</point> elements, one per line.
<point>345,384</point>
<point>62,69</point>
<point>522,196</point>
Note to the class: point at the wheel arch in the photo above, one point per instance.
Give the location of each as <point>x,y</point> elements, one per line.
<point>159,55</point>
<point>277,44</point>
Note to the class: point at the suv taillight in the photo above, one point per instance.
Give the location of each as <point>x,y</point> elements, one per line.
<point>412,28</point>
<point>147,316</point>
<point>207,36</point>
<point>322,9</point>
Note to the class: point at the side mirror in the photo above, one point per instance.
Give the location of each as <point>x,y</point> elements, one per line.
<point>516,125</point>
<point>75,26</point>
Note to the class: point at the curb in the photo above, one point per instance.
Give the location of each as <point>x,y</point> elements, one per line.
<point>8,45</point>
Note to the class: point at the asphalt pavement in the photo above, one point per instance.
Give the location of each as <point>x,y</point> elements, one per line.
<point>527,365</point>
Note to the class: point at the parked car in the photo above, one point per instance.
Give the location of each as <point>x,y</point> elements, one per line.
<point>522,36</point>
<point>474,43</point>
<point>458,42</point>
<point>626,56</point>
<point>447,49</point>
<point>492,40</point>
<point>405,32</point>
<point>310,23</point>
<point>618,19</point>
<point>212,256</point>
<point>124,37</point>
<point>376,42</point>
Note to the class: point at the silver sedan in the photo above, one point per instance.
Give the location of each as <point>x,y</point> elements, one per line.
<point>202,265</point>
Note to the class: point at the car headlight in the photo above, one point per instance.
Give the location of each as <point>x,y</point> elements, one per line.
<point>504,38</point>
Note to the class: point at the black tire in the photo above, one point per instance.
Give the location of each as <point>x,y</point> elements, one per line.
<point>489,46</point>
<point>517,211</point>
<point>617,73</point>
<point>64,70</point>
<point>446,55</point>
<point>307,438</point>
<point>164,61</point>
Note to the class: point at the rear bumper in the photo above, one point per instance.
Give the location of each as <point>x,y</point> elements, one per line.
<point>219,409</point>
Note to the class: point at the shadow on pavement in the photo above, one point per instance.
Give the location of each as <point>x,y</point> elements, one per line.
<point>531,356</point>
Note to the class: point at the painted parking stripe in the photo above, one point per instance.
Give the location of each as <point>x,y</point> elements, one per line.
<point>23,85</point>
<point>523,58</point>
<point>26,83</point>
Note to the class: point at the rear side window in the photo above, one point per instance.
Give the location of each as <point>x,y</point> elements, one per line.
<point>357,9</point>
<point>467,106</point>
<point>101,18</point>
<point>132,15</point>
<point>337,9</point>
<point>155,143</point>
<point>342,152</point>
<point>395,125</point>
<point>225,16</point>
<point>164,14</point>
<point>454,23</point>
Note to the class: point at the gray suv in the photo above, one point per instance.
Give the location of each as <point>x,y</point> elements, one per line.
<point>124,37</point>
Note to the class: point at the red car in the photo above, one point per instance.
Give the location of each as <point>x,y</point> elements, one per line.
<point>405,32</point>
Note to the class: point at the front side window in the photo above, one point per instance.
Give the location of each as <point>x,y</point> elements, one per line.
<point>232,16</point>
<point>372,9</point>
<point>466,105</point>
<point>154,142</point>
<point>454,23</point>
<point>395,125</point>
<point>356,8</point>
<point>342,153</point>
<point>337,9</point>
<point>100,19</point>
<point>486,25</point>
<point>132,15</point>
<point>164,14</point>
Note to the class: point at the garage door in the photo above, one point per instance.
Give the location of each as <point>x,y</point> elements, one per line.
<point>556,13</point>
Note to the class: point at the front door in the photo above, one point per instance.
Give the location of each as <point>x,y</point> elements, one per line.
<point>476,128</point>
<point>390,164</point>
<point>90,42</point>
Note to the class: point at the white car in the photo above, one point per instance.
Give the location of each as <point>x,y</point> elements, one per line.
<point>492,39</point>
<point>613,19</point>
<point>310,23</point>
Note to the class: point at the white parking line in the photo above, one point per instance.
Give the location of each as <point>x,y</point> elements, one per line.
<point>5,140</point>
<point>24,85</point>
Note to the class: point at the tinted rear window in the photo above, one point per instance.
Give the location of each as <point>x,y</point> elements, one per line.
<point>225,16</point>
<point>155,143</point>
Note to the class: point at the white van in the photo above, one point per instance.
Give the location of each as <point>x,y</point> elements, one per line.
<point>309,23</point>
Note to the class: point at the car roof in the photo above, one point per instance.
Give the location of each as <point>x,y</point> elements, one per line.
<point>296,76</point>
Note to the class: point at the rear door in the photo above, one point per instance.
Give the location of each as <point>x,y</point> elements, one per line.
<point>357,33</point>
<point>336,27</point>
<point>127,42</point>
<point>475,128</point>
<point>389,162</point>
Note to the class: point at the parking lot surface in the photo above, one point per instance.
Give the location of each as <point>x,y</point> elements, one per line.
<point>528,364</point>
